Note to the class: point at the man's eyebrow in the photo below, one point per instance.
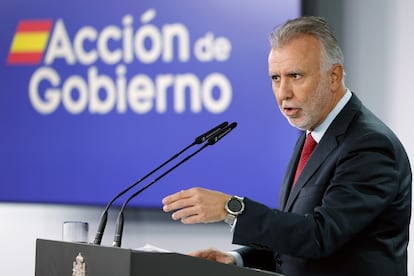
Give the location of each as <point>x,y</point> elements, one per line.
<point>294,72</point>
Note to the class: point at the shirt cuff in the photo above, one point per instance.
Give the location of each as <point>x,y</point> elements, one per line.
<point>237,257</point>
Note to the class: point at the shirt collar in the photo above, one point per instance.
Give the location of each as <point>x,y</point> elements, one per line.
<point>319,131</point>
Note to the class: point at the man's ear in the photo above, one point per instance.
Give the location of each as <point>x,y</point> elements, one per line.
<point>336,76</point>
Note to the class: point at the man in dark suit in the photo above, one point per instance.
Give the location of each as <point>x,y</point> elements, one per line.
<point>348,211</point>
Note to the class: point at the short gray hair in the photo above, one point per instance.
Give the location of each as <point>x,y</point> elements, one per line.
<point>316,27</point>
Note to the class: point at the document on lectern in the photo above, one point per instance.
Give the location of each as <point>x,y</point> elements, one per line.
<point>152,248</point>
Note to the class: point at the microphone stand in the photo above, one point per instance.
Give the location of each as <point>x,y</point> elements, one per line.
<point>104,216</point>
<point>120,220</point>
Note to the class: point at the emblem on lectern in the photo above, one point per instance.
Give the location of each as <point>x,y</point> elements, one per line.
<point>79,266</point>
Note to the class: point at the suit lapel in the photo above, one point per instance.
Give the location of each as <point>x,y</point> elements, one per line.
<point>290,172</point>
<point>326,146</point>
<point>320,153</point>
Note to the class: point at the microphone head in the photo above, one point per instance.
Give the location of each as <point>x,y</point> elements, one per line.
<point>221,133</point>
<point>207,135</point>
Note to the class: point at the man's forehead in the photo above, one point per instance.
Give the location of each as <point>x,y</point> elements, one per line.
<point>297,52</point>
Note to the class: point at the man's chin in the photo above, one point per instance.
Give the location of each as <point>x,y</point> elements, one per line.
<point>298,125</point>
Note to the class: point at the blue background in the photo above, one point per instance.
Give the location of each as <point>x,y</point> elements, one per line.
<point>88,158</point>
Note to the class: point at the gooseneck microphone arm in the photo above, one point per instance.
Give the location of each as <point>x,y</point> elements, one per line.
<point>219,134</point>
<point>104,217</point>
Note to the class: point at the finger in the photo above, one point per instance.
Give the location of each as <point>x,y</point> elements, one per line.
<point>205,254</point>
<point>214,255</point>
<point>198,218</point>
<point>178,204</point>
<point>172,198</point>
<point>198,253</point>
<point>192,219</point>
<point>176,201</point>
<point>184,212</point>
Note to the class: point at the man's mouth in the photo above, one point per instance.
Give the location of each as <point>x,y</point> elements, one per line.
<point>290,111</point>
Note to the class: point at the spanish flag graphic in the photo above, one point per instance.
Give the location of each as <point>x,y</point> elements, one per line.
<point>29,42</point>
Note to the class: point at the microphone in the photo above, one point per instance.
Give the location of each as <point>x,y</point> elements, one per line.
<point>217,135</point>
<point>198,140</point>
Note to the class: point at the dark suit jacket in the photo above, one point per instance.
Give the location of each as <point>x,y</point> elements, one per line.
<point>349,211</point>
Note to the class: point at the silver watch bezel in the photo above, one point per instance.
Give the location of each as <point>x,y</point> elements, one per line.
<point>232,215</point>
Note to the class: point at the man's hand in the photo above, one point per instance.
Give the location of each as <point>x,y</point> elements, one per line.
<point>214,255</point>
<point>197,205</point>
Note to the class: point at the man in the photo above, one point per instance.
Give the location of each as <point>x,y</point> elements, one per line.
<point>348,211</point>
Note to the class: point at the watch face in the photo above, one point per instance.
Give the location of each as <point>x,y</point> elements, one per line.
<point>235,205</point>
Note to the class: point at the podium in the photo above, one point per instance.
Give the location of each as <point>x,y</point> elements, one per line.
<point>57,258</point>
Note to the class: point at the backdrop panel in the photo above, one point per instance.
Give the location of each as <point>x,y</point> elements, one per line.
<point>95,94</point>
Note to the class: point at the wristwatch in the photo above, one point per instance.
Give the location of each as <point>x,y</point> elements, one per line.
<point>234,207</point>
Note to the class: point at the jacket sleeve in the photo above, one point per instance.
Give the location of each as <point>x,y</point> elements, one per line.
<point>257,258</point>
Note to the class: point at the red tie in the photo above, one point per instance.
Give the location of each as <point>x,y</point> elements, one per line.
<point>308,147</point>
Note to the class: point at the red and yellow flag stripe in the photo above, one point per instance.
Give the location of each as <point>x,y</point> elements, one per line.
<point>29,42</point>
